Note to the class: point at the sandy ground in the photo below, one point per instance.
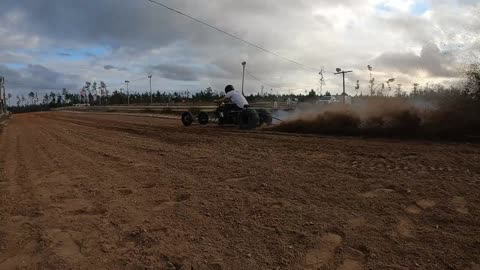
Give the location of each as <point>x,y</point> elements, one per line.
<point>90,191</point>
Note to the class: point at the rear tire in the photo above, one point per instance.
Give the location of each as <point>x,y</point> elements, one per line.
<point>187,119</point>
<point>203,118</point>
<point>248,119</point>
<point>242,120</point>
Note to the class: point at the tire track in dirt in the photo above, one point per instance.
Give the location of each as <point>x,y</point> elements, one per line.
<point>209,186</point>
<point>81,202</point>
<point>60,245</point>
<point>119,211</point>
<point>132,128</point>
<point>138,234</point>
<point>164,205</point>
<point>143,127</point>
<point>22,232</point>
<point>117,152</point>
<point>95,140</point>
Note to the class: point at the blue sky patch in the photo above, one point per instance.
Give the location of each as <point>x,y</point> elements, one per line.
<point>417,9</point>
<point>81,54</point>
<point>420,7</point>
<point>383,8</point>
<point>14,65</point>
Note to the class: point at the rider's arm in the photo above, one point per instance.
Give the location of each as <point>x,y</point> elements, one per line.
<point>223,99</point>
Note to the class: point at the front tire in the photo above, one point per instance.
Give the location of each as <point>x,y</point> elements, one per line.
<point>187,119</point>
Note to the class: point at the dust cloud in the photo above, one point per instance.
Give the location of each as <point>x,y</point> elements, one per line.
<point>386,117</point>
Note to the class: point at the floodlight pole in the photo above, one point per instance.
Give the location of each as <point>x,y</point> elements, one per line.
<point>3,100</point>
<point>343,73</point>
<point>243,77</point>
<point>128,93</point>
<point>151,96</point>
<point>321,81</point>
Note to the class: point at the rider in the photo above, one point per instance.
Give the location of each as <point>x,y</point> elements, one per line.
<point>237,99</point>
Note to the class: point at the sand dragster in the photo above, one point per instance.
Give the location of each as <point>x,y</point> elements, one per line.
<point>229,115</point>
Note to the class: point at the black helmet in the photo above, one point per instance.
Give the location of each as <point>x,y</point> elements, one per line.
<point>229,88</point>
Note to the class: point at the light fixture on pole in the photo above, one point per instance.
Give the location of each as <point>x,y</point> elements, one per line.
<point>128,93</point>
<point>243,77</point>
<point>339,71</point>
<point>151,96</point>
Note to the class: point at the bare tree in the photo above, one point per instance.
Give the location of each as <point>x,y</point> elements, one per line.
<point>473,80</point>
<point>382,89</point>
<point>94,91</point>
<point>389,86</point>
<point>46,99</point>
<point>398,90</point>
<point>372,80</point>
<point>415,89</point>
<point>53,97</point>
<point>31,96</point>
<point>357,87</point>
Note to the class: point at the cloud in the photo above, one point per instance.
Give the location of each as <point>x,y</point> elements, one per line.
<point>14,57</point>
<point>177,72</point>
<point>110,67</point>
<point>36,77</point>
<point>431,60</point>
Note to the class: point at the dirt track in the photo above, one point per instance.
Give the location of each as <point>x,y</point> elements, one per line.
<point>87,191</point>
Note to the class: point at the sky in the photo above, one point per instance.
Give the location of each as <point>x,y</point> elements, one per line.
<point>53,44</point>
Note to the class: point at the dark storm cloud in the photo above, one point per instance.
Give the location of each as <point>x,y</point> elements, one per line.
<point>177,72</point>
<point>131,28</point>
<point>37,77</point>
<point>111,67</point>
<point>115,22</point>
<point>140,24</point>
<point>430,60</point>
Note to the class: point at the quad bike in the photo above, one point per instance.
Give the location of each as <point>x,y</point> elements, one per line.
<point>229,114</point>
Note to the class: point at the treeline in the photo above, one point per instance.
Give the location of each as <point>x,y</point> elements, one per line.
<point>95,96</point>
<point>32,102</point>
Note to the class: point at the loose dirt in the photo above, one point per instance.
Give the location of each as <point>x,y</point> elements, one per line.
<point>99,191</point>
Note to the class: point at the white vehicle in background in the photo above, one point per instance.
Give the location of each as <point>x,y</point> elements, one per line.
<point>292,103</point>
<point>327,100</point>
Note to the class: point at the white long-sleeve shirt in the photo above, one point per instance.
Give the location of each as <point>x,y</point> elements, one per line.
<point>237,98</point>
